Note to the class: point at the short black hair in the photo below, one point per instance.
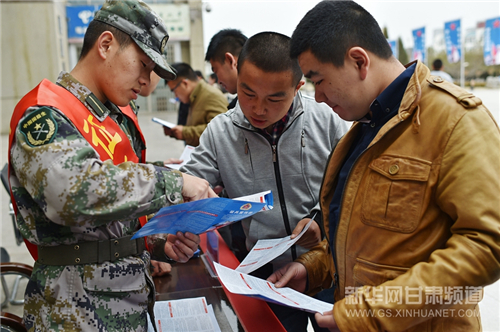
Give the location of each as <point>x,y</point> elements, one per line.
<point>214,77</point>
<point>95,29</point>
<point>199,74</point>
<point>183,70</point>
<point>270,52</point>
<point>437,64</point>
<point>331,28</point>
<point>224,41</point>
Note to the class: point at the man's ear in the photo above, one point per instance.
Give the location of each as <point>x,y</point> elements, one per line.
<point>231,60</point>
<point>301,83</point>
<point>358,57</point>
<point>105,43</point>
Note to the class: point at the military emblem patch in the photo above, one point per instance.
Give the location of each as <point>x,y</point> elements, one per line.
<point>39,127</point>
<point>163,44</point>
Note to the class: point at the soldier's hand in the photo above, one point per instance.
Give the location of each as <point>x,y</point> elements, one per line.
<point>160,268</point>
<point>181,247</point>
<point>311,237</point>
<point>172,161</point>
<point>195,188</point>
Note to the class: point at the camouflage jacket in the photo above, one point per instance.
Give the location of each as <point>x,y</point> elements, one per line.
<point>66,194</point>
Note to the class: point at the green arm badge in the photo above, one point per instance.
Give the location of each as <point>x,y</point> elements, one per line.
<point>39,127</point>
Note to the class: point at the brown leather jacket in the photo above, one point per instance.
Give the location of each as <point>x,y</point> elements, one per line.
<point>420,216</point>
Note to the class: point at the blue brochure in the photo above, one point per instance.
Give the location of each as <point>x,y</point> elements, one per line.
<point>205,215</point>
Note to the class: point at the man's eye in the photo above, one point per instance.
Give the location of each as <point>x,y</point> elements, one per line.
<point>143,64</point>
<point>248,94</point>
<point>318,82</point>
<point>274,100</point>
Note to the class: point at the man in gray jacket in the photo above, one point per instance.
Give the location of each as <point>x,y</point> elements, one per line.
<point>274,139</point>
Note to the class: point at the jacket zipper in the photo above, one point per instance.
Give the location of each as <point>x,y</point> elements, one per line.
<point>279,185</point>
<point>282,197</point>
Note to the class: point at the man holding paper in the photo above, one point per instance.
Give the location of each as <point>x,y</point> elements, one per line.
<point>274,139</point>
<point>410,194</point>
<point>79,183</point>
<point>205,102</point>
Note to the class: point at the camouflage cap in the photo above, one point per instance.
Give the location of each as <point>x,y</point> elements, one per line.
<point>136,19</point>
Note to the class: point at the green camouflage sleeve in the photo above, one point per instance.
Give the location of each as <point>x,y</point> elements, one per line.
<point>65,178</point>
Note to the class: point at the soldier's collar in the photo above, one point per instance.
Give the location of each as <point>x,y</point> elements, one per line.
<point>100,111</point>
<point>80,91</point>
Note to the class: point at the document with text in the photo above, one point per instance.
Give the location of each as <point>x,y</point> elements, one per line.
<point>185,157</point>
<point>185,315</point>
<point>266,250</point>
<point>244,284</point>
<point>205,215</point>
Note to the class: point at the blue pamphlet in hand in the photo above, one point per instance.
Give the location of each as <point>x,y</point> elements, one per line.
<point>205,215</point>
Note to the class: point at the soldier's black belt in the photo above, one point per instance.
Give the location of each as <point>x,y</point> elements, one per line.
<point>94,252</point>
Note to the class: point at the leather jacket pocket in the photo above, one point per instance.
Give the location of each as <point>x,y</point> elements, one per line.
<point>372,274</point>
<point>394,196</point>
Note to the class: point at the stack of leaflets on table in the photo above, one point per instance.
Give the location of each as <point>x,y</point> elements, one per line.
<point>193,315</point>
<point>205,215</point>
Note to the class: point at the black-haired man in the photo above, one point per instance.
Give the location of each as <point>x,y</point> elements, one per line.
<point>79,181</point>
<point>274,139</point>
<point>437,70</point>
<point>222,53</point>
<point>205,102</point>
<point>410,194</point>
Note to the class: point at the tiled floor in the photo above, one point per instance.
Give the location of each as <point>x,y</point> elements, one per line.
<point>161,147</point>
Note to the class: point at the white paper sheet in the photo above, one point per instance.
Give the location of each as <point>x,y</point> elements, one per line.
<point>185,315</point>
<point>266,250</point>
<point>164,123</point>
<point>185,157</point>
<point>244,284</point>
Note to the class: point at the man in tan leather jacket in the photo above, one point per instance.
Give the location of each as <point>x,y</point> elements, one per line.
<point>410,194</point>
<point>205,103</point>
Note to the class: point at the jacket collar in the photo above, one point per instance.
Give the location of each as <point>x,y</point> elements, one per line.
<point>411,99</point>
<point>196,91</point>
<point>80,91</point>
<point>240,120</point>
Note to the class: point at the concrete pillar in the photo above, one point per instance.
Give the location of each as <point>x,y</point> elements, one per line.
<point>34,47</point>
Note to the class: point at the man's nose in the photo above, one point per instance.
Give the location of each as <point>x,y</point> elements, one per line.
<point>319,96</point>
<point>145,79</point>
<point>259,109</point>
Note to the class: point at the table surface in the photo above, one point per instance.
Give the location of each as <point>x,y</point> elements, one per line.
<point>233,312</point>
<point>192,279</point>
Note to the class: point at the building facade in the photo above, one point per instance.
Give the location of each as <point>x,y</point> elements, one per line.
<point>41,38</point>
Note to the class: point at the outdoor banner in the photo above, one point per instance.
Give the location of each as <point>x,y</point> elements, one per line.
<point>492,42</point>
<point>419,44</point>
<point>79,18</point>
<point>394,47</point>
<point>452,39</point>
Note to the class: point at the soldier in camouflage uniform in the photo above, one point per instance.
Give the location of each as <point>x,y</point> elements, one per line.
<point>79,193</point>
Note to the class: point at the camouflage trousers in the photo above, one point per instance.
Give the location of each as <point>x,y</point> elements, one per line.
<point>105,297</point>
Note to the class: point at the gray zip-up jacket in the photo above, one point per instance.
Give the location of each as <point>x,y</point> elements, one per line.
<point>233,154</point>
